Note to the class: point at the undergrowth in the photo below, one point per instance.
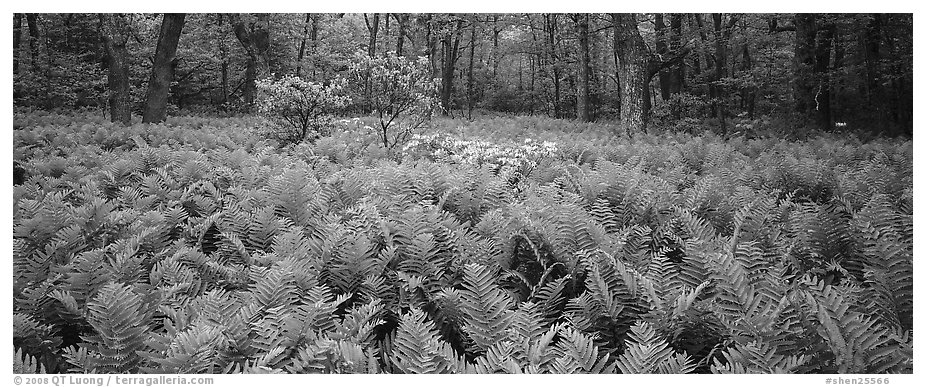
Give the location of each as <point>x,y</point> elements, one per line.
<point>194,246</point>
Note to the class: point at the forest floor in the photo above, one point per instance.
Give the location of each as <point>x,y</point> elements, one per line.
<point>443,253</point>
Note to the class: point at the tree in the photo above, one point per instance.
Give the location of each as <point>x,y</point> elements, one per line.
<point>115,35</point>
<point>636,68</point>
<point>401,93</point>
<point>632,71</point>
<point>450,28</point>
<point>583,112</point>
<point>254,37</point>
<point>33,24</point>
<point>17,32</point>
<point>373,28</point>
<point>813,39</point>
<point>162,70</point>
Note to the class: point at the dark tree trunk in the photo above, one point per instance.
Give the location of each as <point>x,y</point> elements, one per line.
<point>471,99</point>
<point>804,41</point>
<point>812,46</point>
<point>749,92</point>
<point>617,66</point>
<point>824,115</point>
<point>32,22</point>
<point>450,43</point>
<point>495,32</point>
<point>313,37</point>
<point>305,37</point>
<point>678,71</point>
<point>634,62</point>
<point>115,35</point>
<point>402,20</point>
<point>583,112</point>
<point>662,48</point>
<point>162,70</point>
<point>720,69</point>
<point>223,52</point>
<point>872,49</point>
<point>554,63</point>
<point>255,39</point>
<point>17,33</point>
<point>373,28</point>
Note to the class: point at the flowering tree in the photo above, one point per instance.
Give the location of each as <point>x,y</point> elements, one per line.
<point>300,109</point>
<point>400,92</point>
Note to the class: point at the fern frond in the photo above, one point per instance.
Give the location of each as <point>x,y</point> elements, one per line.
<point>647,353</point>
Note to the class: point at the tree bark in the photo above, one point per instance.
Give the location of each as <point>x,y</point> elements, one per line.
<point>554,63</point>
<point>634,62</point>
<point>373,28</point>
<point>678,71</point>
<point>223,52</point>
<point>812,44</point>
<point>115,35</point>
<point>583,112</point>
<point>720,69</point>
<point>802,65</point>
<point>662,48</point>
<point>471,99</point>
<point>450,43</point>
<point>33,24</point>
<point>495,32</point>
<point>824,115</point>
<point>255,39</point>
<point>17,33</point>
<point>402,20</point>
<point>305,36</point>
<point>749,93</point>
<point>162,71</point>
<point>872,50</point>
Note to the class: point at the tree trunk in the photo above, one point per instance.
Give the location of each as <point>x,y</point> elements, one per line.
<point>720,70</point>
<point>373,28</point>
<point>305,36</point>
<point>223,52</point>
<point>115,35</point>
<point>804,41</point>
<point>582,93</point>
<point>471,99</point>
<point>495,32</point>
<point>402,20</point>
<point>450,43</point>
<point>824,115</point>
<point>634,62</point>
<point>17,33</point>
<point>162,70</point>
<point>554,63</point>
<point>662,49</point>
<point>812,45</point>
<point>749,93</point>
<point>872,39</point>
<point>255,39</point>
<point>33,24</point>
<point>678,72</point>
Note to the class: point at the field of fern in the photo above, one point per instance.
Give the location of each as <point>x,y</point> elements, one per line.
<point>503,245</point>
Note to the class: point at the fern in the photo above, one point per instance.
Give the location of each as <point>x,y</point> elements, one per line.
<point>648,353</point>
<point>119,318</point>
<point>23,363</point>
<point>487,307</point>
<point>417,348</point>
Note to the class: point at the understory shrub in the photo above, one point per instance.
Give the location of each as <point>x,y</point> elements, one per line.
<point>300,110</point>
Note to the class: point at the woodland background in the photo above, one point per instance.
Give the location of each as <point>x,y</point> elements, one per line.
<point>824,71</point>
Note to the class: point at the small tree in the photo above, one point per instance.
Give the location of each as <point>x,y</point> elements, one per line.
<point>299,109</point>
<point>399,91</point>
